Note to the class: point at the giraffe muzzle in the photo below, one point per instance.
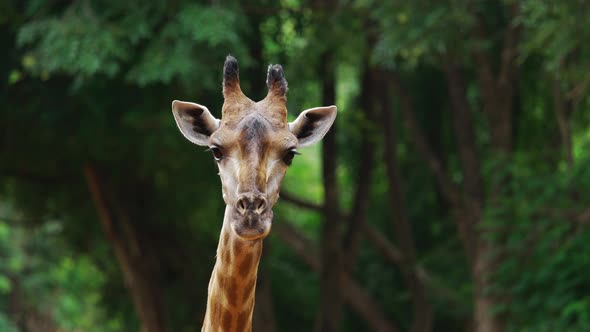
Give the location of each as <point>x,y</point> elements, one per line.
<point>252,216</point>
<point>251,204</point>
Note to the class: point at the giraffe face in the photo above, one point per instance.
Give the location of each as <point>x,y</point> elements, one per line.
<point>253,145</point>
<point>253,157</point>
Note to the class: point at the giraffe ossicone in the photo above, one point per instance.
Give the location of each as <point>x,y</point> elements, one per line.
<point>253,145</point>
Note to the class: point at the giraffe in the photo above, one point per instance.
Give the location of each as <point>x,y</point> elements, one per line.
<point>253,145</point>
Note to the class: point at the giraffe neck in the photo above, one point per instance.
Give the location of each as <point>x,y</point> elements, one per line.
<point>230,301</point>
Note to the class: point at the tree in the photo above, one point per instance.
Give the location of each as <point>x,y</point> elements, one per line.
<point>452,189</point>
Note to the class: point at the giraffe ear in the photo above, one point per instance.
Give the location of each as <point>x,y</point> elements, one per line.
<point>312,124</point>
<point>194,121</point>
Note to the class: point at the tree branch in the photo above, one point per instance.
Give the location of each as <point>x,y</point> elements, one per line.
<point>451,192</point>
<point>292,199</point>
<point>299,243</point>
<point>358,215</point>
<point>388,250</point>
<point>330,299</point>
<point>562,107</point>
<point>396,257</point>
<point>484,67</point>
<point>353,293</point>
<point>138,278</point>
<point>102,208</point>
<point>498,91</point>
<point>423,312</point>
<point>579,91</point>
<point>464,131</point>
<point>512,35</point>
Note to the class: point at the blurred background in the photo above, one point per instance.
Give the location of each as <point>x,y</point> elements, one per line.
<point>452,194</point>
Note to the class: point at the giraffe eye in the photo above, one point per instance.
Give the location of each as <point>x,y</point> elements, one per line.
<point>288,158</point>
<point>217,154</point>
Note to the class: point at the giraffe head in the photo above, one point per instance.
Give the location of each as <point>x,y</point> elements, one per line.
<point>253,145</point>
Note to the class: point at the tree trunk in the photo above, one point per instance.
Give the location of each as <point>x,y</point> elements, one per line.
<point>358,216</point>
<point>498,89</point>
<point>330,293</point>
<point>423,312</point>
<point>562,108</point>
<point>466,209</point>
<point>16,305</point>
<point>464,133</point>
<point>135,263</point>
<point>485,304</point>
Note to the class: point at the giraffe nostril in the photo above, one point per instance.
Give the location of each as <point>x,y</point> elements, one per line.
<point>241,205</point>
<point>261,204</point>
<point>256,204</point>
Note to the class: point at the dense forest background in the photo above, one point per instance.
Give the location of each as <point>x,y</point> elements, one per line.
<point>452,194</point>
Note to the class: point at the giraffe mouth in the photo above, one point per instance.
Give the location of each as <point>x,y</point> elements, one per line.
<point>251,225</point>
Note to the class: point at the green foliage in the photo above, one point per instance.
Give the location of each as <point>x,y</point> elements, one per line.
<point>44,278</point>
<point>420,31</point>
<point>6,325</point>
<point>540,232</point>
<point>86,41</point>
<point>194,29</point>
<point>80,297</point>
<point>553,30</point>
<point>91,82</point>
<point>77,43</point>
